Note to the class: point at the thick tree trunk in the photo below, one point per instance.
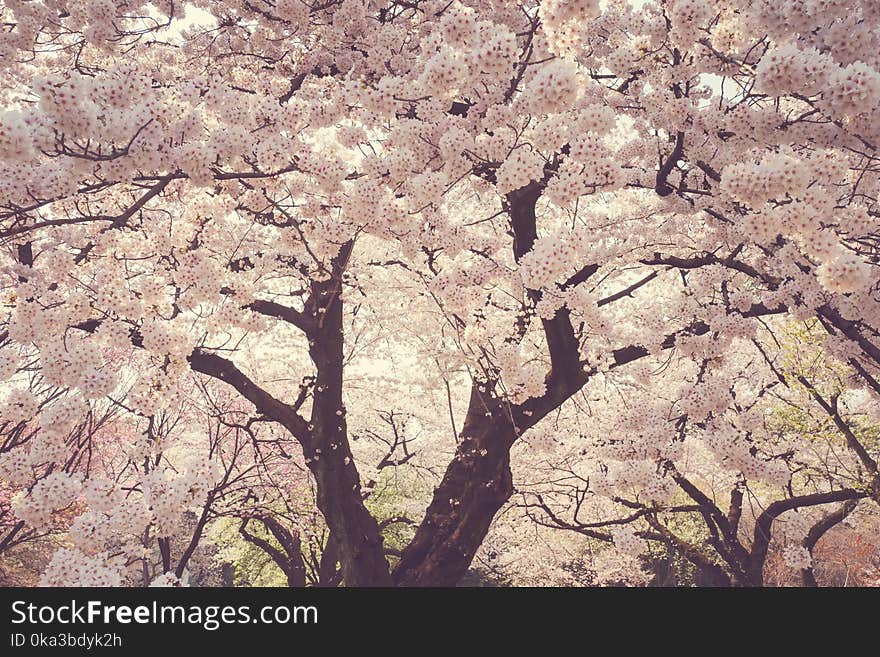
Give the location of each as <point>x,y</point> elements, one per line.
<point>478,482</point>
<point>355,532</point>
<point>476,485</point>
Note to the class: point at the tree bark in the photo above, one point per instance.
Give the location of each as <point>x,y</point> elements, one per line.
<point>355,532</point>
<point>475,486</point>
<point>478,482</point>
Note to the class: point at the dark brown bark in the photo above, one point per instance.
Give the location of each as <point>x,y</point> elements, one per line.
<point>478,482</point>
<point>475,486</point>
<point>165,551</point>
<point>324,438</point>
<point>355,532</point>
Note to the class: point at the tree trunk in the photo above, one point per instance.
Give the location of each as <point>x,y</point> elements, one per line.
<point>476,485</point>
<point>478,482</point>
<point>355,532</point>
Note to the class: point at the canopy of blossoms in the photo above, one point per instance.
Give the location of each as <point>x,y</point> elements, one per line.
<point>610,244</point>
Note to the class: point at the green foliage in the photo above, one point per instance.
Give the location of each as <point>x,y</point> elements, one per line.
<point>391,502</point>
<point>809,369</point>
<point>252,566</point>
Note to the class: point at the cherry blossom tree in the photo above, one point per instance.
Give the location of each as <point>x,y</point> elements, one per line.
<point>764,465</point>
<point>484,215</point>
